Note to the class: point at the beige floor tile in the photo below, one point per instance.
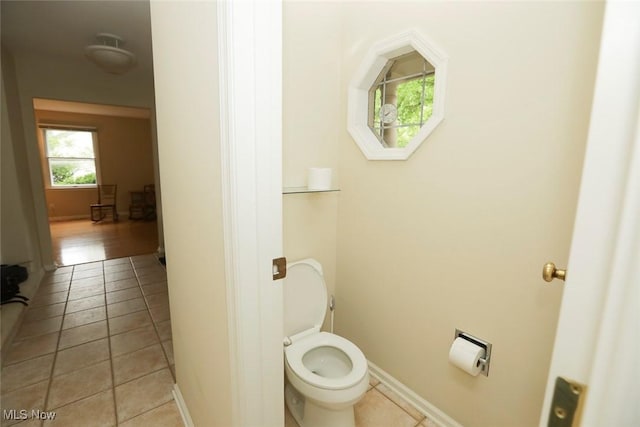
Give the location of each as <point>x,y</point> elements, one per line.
<point>157,299</point>
<point>117,261</point>
<point>142,394</point>
<point>84,317</point>
<point>164,330</point>
<point>166,415</point>
<point>155,288</point>
<point>39,327</point>
<point>44,312</point>
<point>81,356</point>
<point>125,307</point>
<point>53,288</point>
<point>87,266</point>
<point>406,406</point>
<point>82,334</point>
<point>120,324</point>
<point>48,299</point>
<point>79,384</point>
<point>168,349</point>
<point>56,278</point>
<point>151,270</point>
<point>119,275</point>
<point>85,304</point>
<point>375,410</point>
<point>31,347</point>
<point>144,260</point>
<point>89,281</point>
<point>26,373</point>
<point>133,340</point>
<point>93,411</point>
<point>123,295</point>
<point>84,274</point>
<point>31,422</point>
<point>160,312</point>
<point>85,291</point>
<point>138,363</point>
<point>30,397</point>
<point>121,284</point>
<point>153,278</point>
<point>108,269</point>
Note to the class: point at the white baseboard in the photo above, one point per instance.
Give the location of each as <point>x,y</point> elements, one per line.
<point>427,408</point>
<point>182,406</point>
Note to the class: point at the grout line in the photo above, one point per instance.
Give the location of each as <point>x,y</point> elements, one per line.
<point>113,375</point>
<point>424,417</point>
<point>55,353</point>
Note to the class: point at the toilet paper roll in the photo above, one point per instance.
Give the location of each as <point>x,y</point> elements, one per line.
<point>319,179</point>
<point>466,355</point>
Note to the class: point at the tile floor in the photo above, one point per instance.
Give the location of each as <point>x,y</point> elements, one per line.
<point>95,348</point>
<point>380,407</point>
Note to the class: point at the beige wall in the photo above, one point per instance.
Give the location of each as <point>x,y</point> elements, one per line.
<point>124,155</point>
<point>189,150</point>
<point>456,236</point>
<point>311,88</point>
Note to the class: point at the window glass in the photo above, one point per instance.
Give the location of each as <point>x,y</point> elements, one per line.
<point>70,157</point>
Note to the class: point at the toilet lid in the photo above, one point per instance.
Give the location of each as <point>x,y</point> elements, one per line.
<point>305,297</point>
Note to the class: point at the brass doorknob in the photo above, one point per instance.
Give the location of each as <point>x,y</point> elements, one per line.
<point>550,272</point>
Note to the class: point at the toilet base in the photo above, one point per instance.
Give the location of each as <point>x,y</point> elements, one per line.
<point>308,414</point>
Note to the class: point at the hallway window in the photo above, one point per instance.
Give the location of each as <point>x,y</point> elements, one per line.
<point>71,157</point>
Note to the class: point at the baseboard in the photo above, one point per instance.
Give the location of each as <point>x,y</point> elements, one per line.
<point>182,406</point>
<point>427,408</point>
<point>87,216</point>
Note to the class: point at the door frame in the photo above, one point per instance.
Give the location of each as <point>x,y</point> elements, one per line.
<point>596,338</point>
<point>250,66</point>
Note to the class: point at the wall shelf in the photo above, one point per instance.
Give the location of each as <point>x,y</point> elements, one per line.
<point>300,190</point>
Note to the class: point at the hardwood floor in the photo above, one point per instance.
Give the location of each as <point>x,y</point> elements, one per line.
<point>81,241</point>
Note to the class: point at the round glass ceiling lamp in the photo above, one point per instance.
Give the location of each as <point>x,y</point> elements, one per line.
<point>109,56</point>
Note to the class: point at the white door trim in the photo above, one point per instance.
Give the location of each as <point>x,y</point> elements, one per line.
<point>250,57</point>
<point>597,337</point>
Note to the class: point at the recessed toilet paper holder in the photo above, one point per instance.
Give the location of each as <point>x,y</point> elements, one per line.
<point>484,361</point>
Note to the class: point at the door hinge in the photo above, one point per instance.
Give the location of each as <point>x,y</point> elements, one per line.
<point>279,268</point>
<point>566,406</point>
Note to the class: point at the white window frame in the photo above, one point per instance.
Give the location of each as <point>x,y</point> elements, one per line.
<point>47,163</point>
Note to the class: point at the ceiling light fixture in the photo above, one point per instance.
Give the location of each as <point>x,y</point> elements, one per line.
<point>109,56</point>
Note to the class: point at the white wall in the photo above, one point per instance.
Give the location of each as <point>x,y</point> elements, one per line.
<point>187,100</point>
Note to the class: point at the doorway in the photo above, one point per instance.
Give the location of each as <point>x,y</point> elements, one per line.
<point>81,146</point>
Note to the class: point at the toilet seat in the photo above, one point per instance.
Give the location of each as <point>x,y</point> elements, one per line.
<point>294,357</point>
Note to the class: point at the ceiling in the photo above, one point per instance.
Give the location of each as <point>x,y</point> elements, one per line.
<point>62,29</point>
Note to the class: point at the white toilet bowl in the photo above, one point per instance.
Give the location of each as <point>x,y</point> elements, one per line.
<point>326,374</point>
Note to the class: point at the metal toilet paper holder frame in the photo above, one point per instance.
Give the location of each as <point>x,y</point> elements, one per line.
<point>484,361</point>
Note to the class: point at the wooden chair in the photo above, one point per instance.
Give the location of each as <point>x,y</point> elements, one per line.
<point>106,203</point>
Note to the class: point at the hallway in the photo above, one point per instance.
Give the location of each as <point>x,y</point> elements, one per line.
<point>95,347</point>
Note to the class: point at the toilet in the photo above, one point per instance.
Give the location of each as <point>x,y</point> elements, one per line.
<point>325,374</point>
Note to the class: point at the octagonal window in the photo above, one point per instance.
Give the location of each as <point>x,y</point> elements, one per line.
<point>396,98</point>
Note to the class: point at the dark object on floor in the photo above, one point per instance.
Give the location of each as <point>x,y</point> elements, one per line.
<point>163,260</point>
<point>12,276</point>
